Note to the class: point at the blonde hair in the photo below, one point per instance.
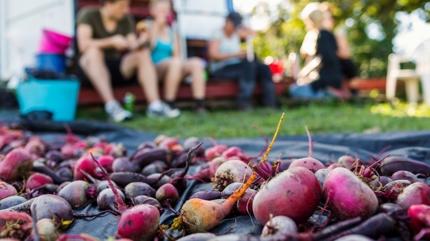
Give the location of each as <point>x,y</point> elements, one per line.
<point>153,2</point>
<point>313,12</point>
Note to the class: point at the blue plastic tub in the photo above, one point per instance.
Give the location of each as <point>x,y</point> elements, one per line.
<point>51,62</point>
<point>60,97</point>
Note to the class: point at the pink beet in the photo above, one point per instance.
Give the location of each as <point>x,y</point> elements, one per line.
<point>6,190</point>
<point>15,165</point>
<point>37,180</point>
<point>231,171</point>
<point>214,151</point>
<point>348,196</point>
<point>416,193</point>
<point>35,146</point>
<point>294,193</point>
<point>139,222</point>
<point>86,164</point>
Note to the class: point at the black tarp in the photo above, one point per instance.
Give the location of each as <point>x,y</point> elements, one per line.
<point>327,147</point>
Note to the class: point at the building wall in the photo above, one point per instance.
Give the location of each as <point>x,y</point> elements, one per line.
<point>21,25</point>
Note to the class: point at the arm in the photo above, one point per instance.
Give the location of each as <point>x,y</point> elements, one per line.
<point>343,46</point>
<point>176,46</point>
<point>214,53</point>
<point>85,40</point>
<point>245,32</point>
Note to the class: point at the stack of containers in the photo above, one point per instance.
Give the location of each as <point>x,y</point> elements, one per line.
<point>52,49</point>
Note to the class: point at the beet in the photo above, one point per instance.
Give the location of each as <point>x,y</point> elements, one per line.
<point>347,162</point>
<point>214,152</point>
<point>231,188</point>
<point>207,195</point>
<point>244,205</point>
<point>37,180</point>
<point>11,201</point>
<point>155,167</point>
<point>53,207</point>
<point>167,192</point>
<point>124,164</point>
<point>416,193</point>
<point>146,156</point>
<point>106,200</point>
<point>106,162</point>
<point>15,165</point>
<point>6,190</point>
<point>54,156</point>
<point>348,196</point>
<point>102,185</point>
<point>229,172</point>
<point>139,222</point>
<point>155,181</point>
<point>294,193</point>
<point>308,162</point>
<point>354,237</point>
<point>47,230</point>
<point>21,228</point>
<point>321,175</point>
<point>35,146</point>
<point>279,225</point>
<point>124,178</point>
<point>86,164</point>
<point>405,175</point>
<point>135,189</point>
<point>76,193</point>
<point>198,237</point>
<point>142,199</point>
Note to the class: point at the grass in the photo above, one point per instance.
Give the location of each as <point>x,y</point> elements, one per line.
<point>319,117</point>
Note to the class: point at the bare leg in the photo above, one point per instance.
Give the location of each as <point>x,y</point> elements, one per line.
<point>194,66</point>
<point>146,72</point>
<point>173,71</point>
<point>92,63</point>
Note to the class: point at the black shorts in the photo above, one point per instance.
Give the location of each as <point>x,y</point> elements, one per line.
<point>349,69</point>
<point>114,68</point>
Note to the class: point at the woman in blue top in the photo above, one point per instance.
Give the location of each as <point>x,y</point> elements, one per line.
<point>166,57</point>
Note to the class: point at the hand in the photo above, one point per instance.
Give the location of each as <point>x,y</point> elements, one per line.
<point>119,42</point>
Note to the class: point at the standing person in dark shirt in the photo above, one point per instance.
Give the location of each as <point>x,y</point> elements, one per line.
<point>319,46</point>
<point>107,41</point>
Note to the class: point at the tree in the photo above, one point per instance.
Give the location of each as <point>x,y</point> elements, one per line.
<point>287,31</point>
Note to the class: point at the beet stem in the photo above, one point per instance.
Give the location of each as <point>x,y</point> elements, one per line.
<point>310,143</point>
<point>121,205</point>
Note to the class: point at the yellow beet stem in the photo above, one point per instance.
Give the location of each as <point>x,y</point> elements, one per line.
<point>233,198</point>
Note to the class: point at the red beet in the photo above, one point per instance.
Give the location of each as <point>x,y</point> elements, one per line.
<point>37,180</point>
<point>6,190</point>
<point>142,199</point>
<point>35,146</point>
<point>106,162</point>
<point>15,165</point>
<point>86,164</point>
<point>244,205</point>
<point>294,193</point>
<point>139,222</point>
<point>167,192</point>
<point>15,224</point>
<point>107,200</point>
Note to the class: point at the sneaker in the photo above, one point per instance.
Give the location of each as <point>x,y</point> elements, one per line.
<point>116,112</point>
<point>162,110</point>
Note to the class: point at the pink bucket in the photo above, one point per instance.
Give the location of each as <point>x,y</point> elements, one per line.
<point>54,43</point>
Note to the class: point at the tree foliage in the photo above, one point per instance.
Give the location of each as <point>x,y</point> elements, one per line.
<point>287,31</point>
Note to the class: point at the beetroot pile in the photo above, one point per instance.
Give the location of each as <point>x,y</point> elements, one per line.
<point>43,186</point>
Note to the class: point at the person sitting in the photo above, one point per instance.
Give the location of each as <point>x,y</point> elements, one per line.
<point>230,62</point>
<point>166,55</point>
<point>321,77</point>
<point>349,69</point>
<point>107,44</point>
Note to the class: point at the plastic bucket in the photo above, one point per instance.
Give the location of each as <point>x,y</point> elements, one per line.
<point>59,97</point>
<point>53,42</point>
<point>51,62</point>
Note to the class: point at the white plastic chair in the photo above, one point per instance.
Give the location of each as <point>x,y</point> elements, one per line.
<point>421,56</point>
<point>409,76</point>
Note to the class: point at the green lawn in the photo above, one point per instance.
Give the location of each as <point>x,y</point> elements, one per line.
<point>319,117</point>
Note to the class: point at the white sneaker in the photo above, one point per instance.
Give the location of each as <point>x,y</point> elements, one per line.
<point>161,109</point>
<point>116,112</point>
